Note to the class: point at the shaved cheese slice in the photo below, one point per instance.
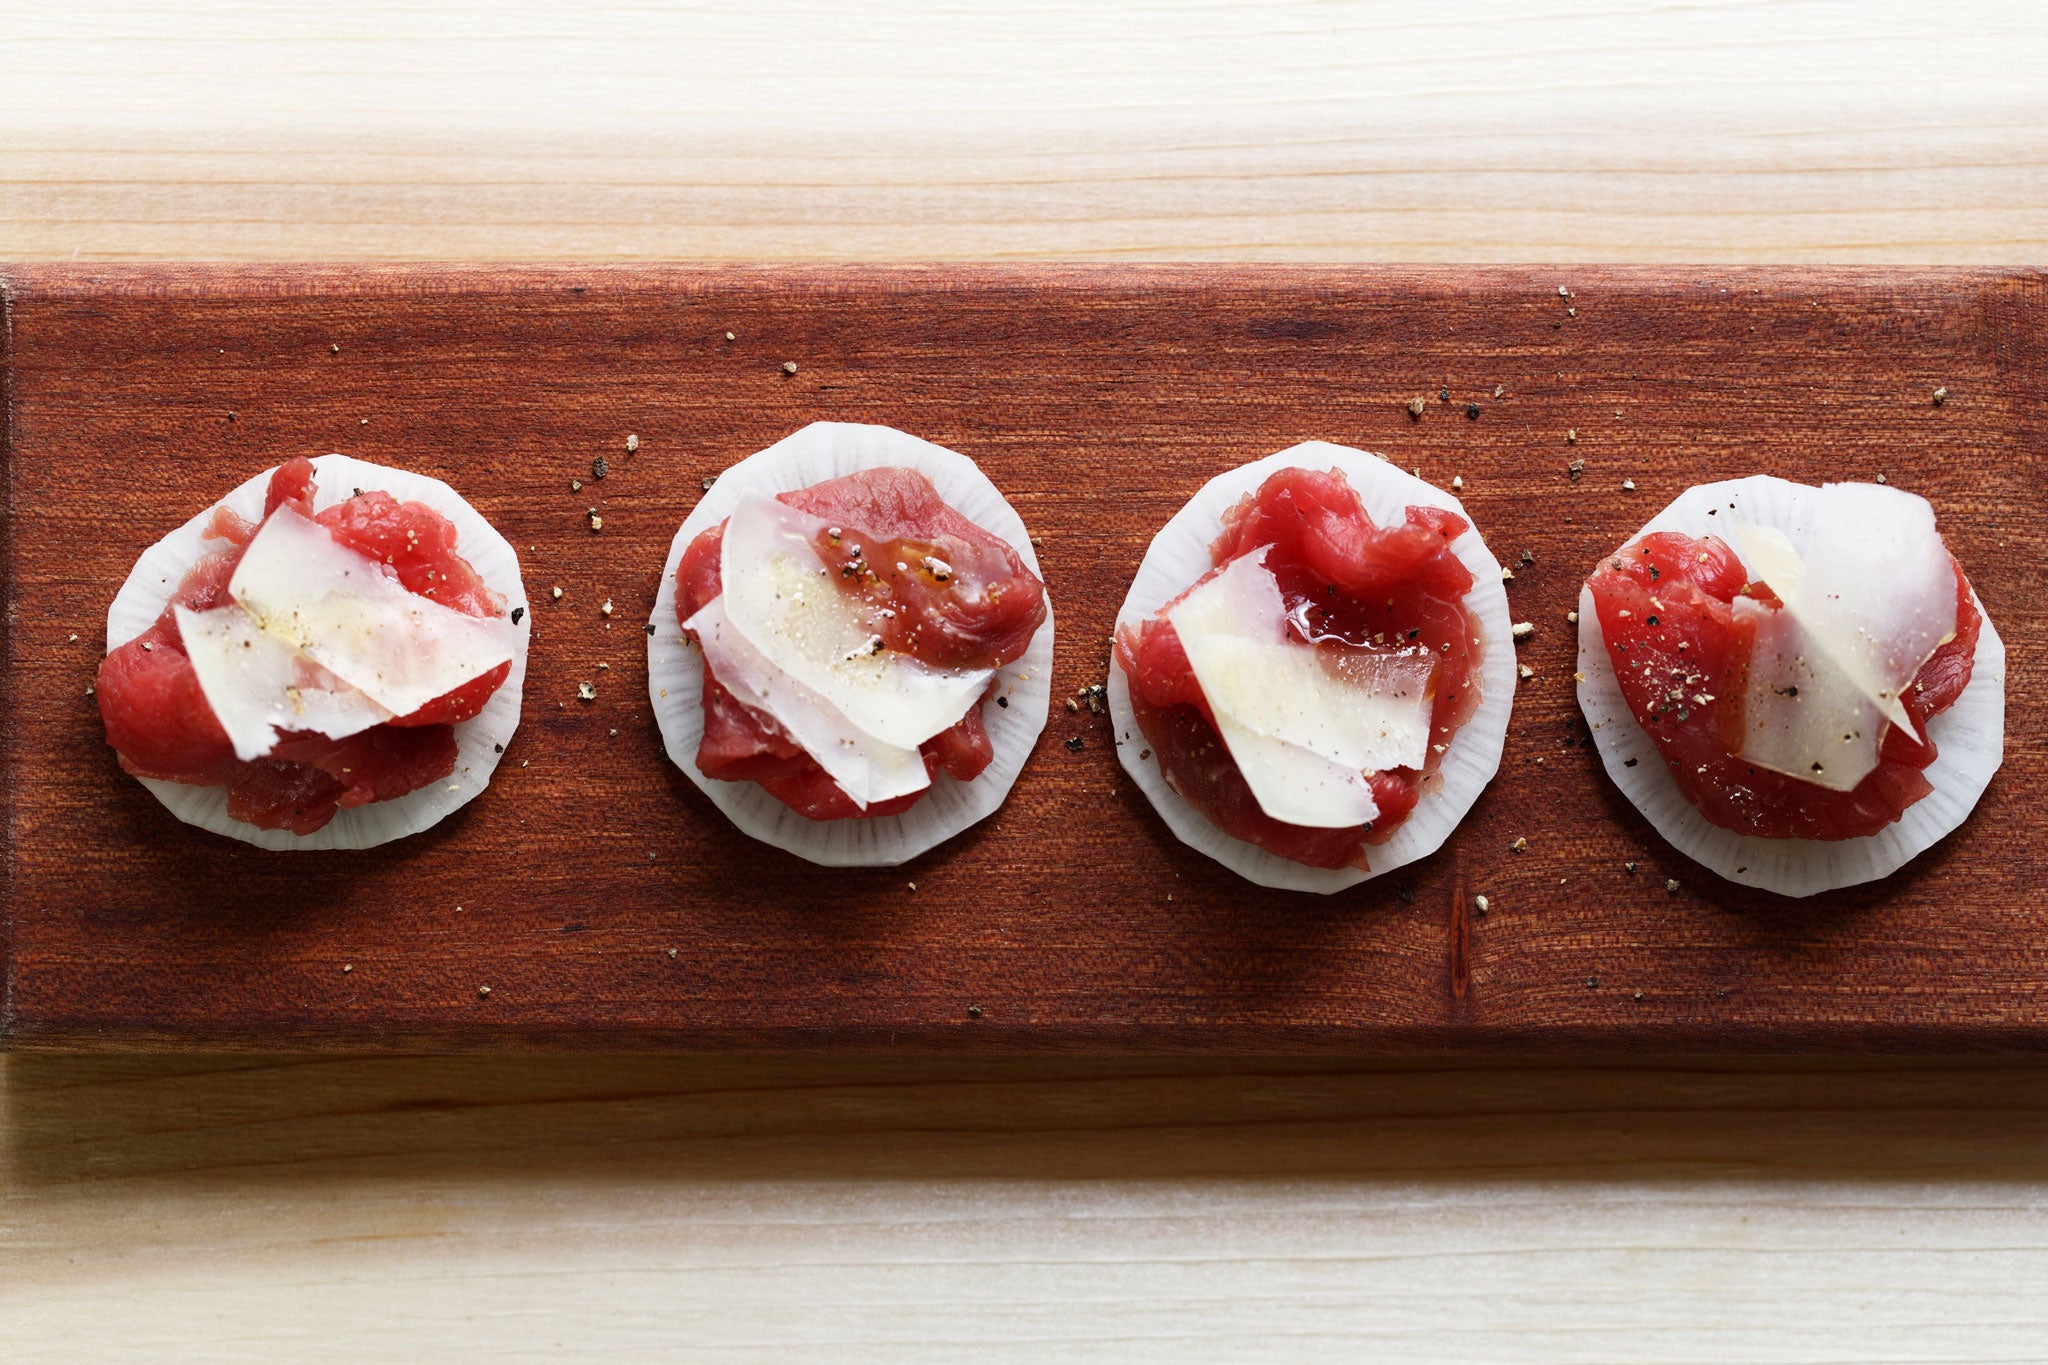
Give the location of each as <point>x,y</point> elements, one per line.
<point>1802,715</point>
<point>1368,711</point>
<point>1879,587</point>
<point>257,685</point>
<point>784,600</point>
<point>1770,557</point>
<point>340,609</point>
<point>1297,785</point>
<point>1305,725</point>
<point>1865,605</point>
<point>865,768</point>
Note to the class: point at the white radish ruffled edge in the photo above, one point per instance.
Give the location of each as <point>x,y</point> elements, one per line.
<point>1179,555</point>
<point>1970,735</point>
<point>675,668</point>
<point>479,741</point>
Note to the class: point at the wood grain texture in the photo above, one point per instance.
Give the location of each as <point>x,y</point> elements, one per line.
<point>1020,1210</point>
<point>1468,130</point>
<point>1098,399</point>
<point>850,1210</point>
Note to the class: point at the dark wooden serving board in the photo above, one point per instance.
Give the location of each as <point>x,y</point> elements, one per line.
<point>606,904</point>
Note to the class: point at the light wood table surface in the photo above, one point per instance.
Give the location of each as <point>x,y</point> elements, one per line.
<point>1098,1209</point>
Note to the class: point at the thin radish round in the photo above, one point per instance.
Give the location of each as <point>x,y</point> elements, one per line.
<point>480,741</point>
<point>675,668</point>
<point>1179,555</point>
<point>1970,735</point>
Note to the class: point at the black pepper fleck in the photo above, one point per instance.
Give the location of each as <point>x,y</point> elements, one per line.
<point>650,627</point>
<point>1003,702</point>
<point>600,467</point>
<point>1471,412</point>
<point>517,614</point>
<point>1076,744</point>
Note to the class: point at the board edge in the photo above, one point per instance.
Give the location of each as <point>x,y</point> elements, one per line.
<point>188,279</point>
<point>1703,1039</point>
<point>8,611</point>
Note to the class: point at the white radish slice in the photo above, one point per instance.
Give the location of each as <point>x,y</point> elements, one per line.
<point>675,670</point>
<point>1179,555</point>
<point>480,740</point>
<point>1970,736</point>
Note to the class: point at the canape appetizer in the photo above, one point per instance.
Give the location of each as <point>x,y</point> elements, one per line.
<point>851,648</point>
<point>1796,685</point>
<point>330,657</point>
<point>1313,671</point>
